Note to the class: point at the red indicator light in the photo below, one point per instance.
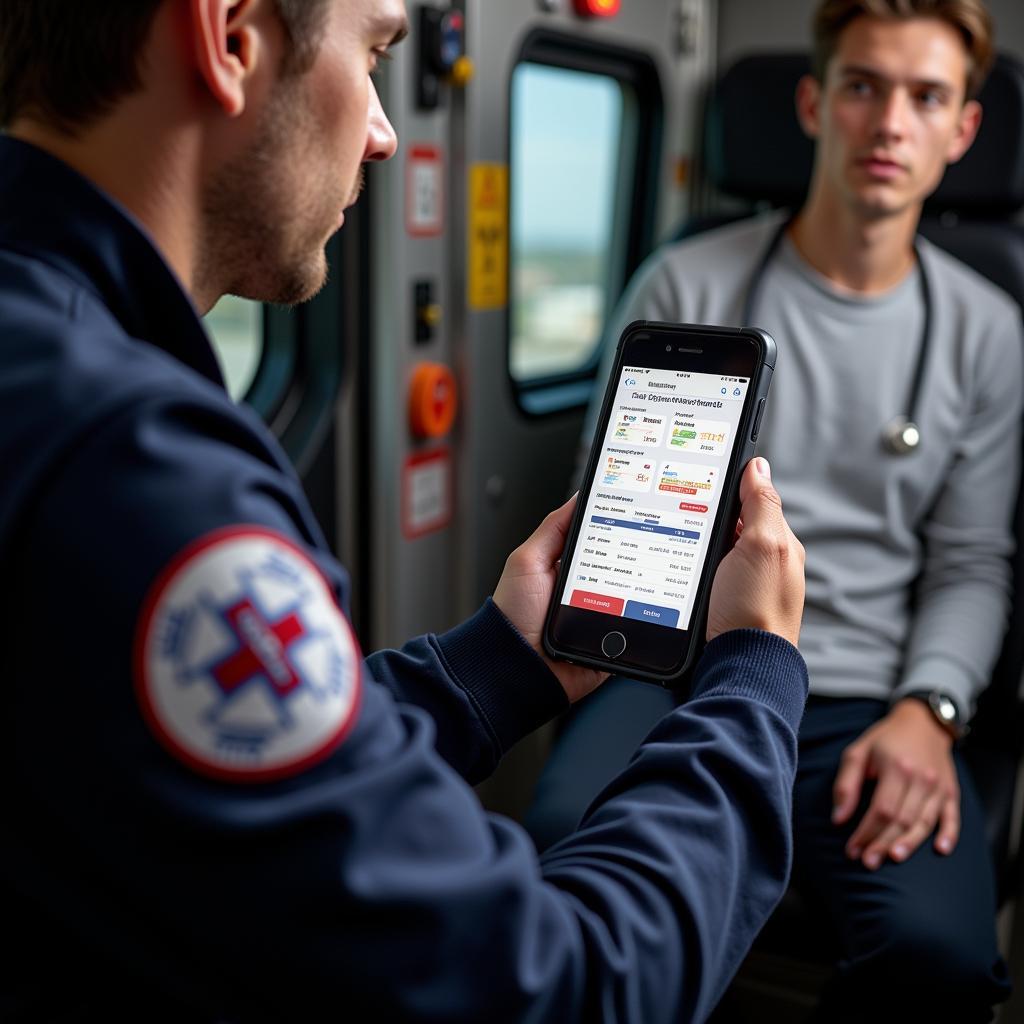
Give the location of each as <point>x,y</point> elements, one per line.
<point>597,8</point>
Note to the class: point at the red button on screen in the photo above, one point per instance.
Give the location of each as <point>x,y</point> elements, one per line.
<point>597,602</point>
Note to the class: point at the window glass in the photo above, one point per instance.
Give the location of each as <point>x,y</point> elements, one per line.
<point>565,156</point>
<point>236,327</point>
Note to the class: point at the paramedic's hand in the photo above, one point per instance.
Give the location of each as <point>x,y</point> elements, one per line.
<point>524,593</point>
<point>760,583</point>
<point>911,756</point>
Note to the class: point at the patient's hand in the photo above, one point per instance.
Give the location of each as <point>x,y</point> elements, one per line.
<point>910,755</point>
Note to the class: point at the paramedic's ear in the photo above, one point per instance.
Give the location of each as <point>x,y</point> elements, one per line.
<point>227,43</point>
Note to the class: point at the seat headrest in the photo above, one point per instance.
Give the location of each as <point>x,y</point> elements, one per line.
<point>756,149</point>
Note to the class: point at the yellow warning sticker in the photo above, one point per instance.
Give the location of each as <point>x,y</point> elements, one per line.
<point>488,236</point>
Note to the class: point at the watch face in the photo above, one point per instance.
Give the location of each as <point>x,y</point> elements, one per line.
<point>945,710</point>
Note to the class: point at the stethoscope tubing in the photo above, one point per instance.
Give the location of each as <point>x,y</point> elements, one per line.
<point>901,435</point>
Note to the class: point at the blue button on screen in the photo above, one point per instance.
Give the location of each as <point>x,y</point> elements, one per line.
<point>651,613</point>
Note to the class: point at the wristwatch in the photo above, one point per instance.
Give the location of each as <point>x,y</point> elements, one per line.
<point>945,710</point>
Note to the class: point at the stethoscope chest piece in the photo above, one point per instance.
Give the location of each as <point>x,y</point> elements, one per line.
<point>901,436</point>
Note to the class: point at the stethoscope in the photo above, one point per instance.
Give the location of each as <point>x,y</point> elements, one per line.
<point>901,435</point>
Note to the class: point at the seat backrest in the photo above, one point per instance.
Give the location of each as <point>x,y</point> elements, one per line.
<point>756,151</point>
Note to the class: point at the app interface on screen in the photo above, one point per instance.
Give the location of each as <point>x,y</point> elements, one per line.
<point>655,495</point>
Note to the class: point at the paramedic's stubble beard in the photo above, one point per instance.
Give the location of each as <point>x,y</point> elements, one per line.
<point>269,212</point>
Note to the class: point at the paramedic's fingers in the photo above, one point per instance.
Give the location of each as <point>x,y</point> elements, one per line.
<point>760,583</point>
<point>524,593</point>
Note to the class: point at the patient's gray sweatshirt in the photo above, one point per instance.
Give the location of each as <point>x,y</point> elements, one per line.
<point>907,572</point>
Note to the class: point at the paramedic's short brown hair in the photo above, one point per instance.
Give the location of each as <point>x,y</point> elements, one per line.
<point>67,62</point>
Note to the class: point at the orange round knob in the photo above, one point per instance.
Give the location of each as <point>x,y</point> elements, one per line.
<point>462,72</point>
<point>432,400</point>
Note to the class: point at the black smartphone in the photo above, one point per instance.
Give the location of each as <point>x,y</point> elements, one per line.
<point>658,506</point>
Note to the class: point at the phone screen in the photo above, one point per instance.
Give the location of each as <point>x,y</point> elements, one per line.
<point>655,494</point>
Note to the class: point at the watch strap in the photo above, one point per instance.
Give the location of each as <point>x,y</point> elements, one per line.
<point>945,710</point>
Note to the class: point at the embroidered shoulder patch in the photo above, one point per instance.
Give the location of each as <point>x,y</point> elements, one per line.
<point>245,667</point>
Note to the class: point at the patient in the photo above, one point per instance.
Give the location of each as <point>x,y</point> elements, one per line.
<point>893,435</point>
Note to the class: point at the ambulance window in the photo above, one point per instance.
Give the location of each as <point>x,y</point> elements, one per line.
<point>285,363</point>
<point>566,131</point>
<point>236,328</point>
<point>585,130</point>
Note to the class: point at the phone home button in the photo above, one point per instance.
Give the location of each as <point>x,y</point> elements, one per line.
<point>613,644</point>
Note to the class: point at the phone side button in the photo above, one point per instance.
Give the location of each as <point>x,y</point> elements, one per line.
<point>613,644</point>
<point>757,420</point>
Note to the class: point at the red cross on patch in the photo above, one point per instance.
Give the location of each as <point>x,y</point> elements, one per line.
<point>263,650</point>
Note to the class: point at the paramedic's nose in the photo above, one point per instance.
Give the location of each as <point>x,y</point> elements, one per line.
<point>381,141</point>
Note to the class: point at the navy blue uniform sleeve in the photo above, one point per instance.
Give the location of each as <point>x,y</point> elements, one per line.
<point>370,883</point>
<point>494,689</point>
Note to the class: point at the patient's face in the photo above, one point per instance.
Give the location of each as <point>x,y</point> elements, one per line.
<point>892,115</point>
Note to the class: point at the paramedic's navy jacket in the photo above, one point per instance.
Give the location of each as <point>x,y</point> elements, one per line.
<point>214,808</point>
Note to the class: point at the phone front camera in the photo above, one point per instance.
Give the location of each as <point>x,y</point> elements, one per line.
<point>668,348</point>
